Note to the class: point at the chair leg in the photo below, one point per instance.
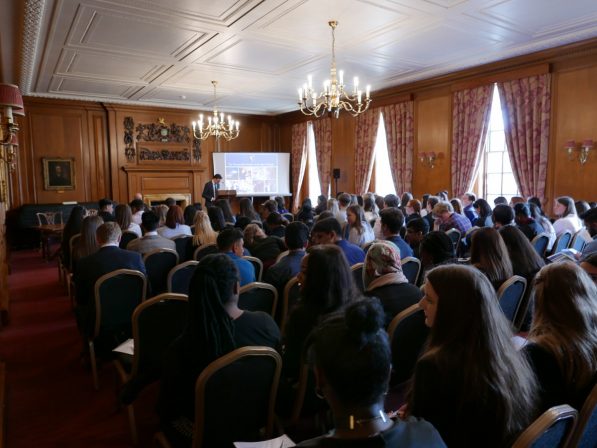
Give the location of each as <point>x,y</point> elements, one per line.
<point>130,409</point>
<point>93,365</point>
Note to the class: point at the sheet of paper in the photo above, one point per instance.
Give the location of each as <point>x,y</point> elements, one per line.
<point>127,347</point>
<point>279,442</point>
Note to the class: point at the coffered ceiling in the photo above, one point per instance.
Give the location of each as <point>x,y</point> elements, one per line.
<point>166,52</point>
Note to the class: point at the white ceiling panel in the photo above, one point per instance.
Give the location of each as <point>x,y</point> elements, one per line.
<point>84,87</point>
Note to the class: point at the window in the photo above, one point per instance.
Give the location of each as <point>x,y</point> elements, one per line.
<point>383,173</point>
<point>495,169</point>
<point>312,172</point>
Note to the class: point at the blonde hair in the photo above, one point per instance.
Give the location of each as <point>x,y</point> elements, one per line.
<point>251,231</point>
<point>442,207</point>
<point>162,211</point>
<point>204,232</point>
<point>333,206</point>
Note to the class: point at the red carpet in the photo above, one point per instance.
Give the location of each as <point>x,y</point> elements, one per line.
<point>50,400</point>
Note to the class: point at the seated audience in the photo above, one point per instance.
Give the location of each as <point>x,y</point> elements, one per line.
<point>392,220</point>
<point>106,209</point>
<point>215,327</point>
<point>590,220</point>
<point>447,219</point>
<point>247,210</point>
<point>189,215</point>
<point>525,222</point>
<point>563,335</point>
<point>328,231</point>
<point>242,222</point>
<point>526,262</point>
<point>351,356</point>
<point>344,201</point>
<point>305,214</point>
<point>500,200</point>
<point>416,229</point>
<point>431,202</point>
<point>230,241</point>
<point>404,200</point>
<point>581,207</point>
<point>203,234</point>
<point>435,249</point>
<point>390,200</point>
<point>87,242</point>
<point>281,205</point>
<point>150,239</point>
<point>383,278</point>
<point>469,210</point>
<point>322,204</point>
<point>357,230</point>
<point>490,255</point>
<point>484,212</point>
<point>161,212</point>
<point>224,204</point>
<point>137,209</point>
<point>545,223</point>
<point>413,210</point>
<point>124,219</point>
<point>174,225</point>
<point>457,206</point>
<point>589,264</point>
<point>276,225</point>
<point>370,208</point>
<point>71,228</point>
<point>470,383</point>
<point>266,248</point>
<point>216,217</point>
<point>502,215</point>
<point>565,210</point>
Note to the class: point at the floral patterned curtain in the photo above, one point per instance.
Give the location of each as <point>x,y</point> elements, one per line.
<point>322,129</point>
<point>399,124</point>
<point>470,122</point>
<point>298,157</point>
<point>366,134</point>
<point>526,108</point>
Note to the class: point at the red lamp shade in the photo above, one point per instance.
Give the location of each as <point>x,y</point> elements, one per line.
<point>20,112</point>
<point>10,96</point>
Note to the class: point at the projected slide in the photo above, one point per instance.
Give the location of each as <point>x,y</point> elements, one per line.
<point>254,174</point>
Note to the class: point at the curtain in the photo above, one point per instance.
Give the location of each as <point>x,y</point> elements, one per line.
<point>470,121</point>
<point>366,134</point>
<point>298,156</point>
<point>399,124</point>
<point>322,129</point>
<point>526,108</point>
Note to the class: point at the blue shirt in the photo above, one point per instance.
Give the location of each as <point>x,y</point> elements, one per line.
<point>245,269</point>
<point>403,247</point>
<point>285,269</point>
<point>470,213</point>
<point>353,253</point>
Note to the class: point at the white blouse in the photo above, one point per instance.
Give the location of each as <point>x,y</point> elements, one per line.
<point>181,229</point>
<point>570,222</point>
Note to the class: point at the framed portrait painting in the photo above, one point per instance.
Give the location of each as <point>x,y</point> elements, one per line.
<point>59,174</point>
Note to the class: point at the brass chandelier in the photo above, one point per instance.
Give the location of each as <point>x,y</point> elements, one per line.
<point>216,124</point>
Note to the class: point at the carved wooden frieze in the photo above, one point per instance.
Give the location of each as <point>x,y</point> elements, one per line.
<point>163,154</point>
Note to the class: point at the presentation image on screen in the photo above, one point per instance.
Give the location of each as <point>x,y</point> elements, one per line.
<point>254,173</point>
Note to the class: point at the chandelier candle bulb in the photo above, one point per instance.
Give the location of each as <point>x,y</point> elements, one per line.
<point>359,96</point>
<point>341,73</point>
<point>368,91</point>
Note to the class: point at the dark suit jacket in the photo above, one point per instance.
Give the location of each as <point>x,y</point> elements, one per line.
<point>208,193</point>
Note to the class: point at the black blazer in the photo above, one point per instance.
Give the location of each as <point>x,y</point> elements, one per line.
<point>209,192</point>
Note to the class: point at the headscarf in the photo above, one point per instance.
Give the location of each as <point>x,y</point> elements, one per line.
<point>382,266</point>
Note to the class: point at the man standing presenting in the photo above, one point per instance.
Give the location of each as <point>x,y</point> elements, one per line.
<point>210,190</point>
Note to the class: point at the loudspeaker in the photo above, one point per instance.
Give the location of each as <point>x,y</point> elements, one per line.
<point>336,173</point>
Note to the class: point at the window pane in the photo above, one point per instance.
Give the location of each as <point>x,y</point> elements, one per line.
<point>494,184</point>
<point>383,174</point>
<point>494,162</point>
<point>314,185</point>
<point>498,141</point>
<point>507,165</point>
<point>509,185</point>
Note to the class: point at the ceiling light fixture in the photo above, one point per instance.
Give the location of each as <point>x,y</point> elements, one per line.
<point>333,98</point>
<point>11,102</point>
<point>216,125</point>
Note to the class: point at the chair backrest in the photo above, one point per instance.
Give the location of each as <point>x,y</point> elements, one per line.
<point>257,264</point>
<point>407,333</point>
<point>551,430</point>
<point>179,277</point>
<point>158,264</point>
<point>585,434</point>
<point>578,241</point>
<point>48,218</point>
<point>357,275</point>
<point>455,236</point>
<point>239,387</point>
<point>411,267</point>
<point>181,242</point>
<point>205,249</point>
<point>282,255</point>
<point>292,294</point>
<point>127,237</point>
<point>257,296</point>
<point>540,243</point>
<point>156,323</point>
<point>510,295</point>
<point>71,247</point>
<point>562,242</point>
<point>289,216</point>
<point>117,294</point>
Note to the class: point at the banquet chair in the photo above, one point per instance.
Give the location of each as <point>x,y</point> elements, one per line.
<point>357,275</point>
<point>126,238</point>
<point>411,267</point>
<point>585,433</point>
<point>290,299</point>
<point>179,277</point>
<point>578,241</point>
<point>158,264</point>
<point>181,242</point>
<point>258,296</point>
<point>455,236</point>
<point>257,264</point>
<point>562,242</point>
<point>203,250</point>
<point>540,243</point>
<point>551,430</point>
<point>510,295</point>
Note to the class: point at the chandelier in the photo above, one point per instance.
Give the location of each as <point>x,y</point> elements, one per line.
<point>333,98</point>
<point>216,125</point>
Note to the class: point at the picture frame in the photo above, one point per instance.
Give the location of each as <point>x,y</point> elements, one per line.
<point>59,173</point>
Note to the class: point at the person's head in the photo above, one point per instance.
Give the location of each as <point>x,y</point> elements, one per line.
<point>351,355</point>
<point>203,233</point>
<point>138,196</point>
<point>500,200</point>
<point>344,200</point>
<point>416,229</point>
<point>326,231</point>
<point>443,210</point>
<point>269,206</point>
<point>489,253</point>
<point>275,220</point>
<point>369,204</point>
<point>379,202</point>
<point>242,222</point>
<point>216,179</point>
<point>326,279</point>
<point>431,202</point>
<point>383,257</point>
<point>355,216</point>
<point>137,205</point>
<point>224,204</point>
<point>189,214</point>
<point>216,216</point>
<point>306,205</point>
<point>516,200</point>
<point>251,233</point>
<point>590,219</point>
<point>297,235</point>
<point>75,220</point>
<point>174,217</point>
<point>106,205</point>
<point>413,206</point>
<point>457,205</point>
<point>161,211</point>
<point>88,243</point>
<point>482,208</point>
<point>564,206</point>
<point>246,209</point>
<point>536,212</point>
<point>108,233</point>
<point>565,318</point>
<point>525,259</point>
<point>406,196</point>
<point>502,215</point>
<point>333,206</point>
<point>391,200</point>
<point>522,213</point>
<point>582,207</point>
<point>231,240</point>
<point>169,202</point>
<point>322,201</point>
<point>392,220</point>
<point>150,221</point>
<point>281,204</point>
<point>589,265</point>
<point>535,200</point>
<point>123,216</point>
<point>436,248</point>
<point>468,198</point>
<point>325,215</point>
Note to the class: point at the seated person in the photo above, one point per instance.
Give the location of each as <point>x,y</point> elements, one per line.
<point>589,264</point>
<point>174,225</point>
<point>502,215</point>
<point>137,209</point>
<point>357,229</point>
<point>203,234</point>
<point>392,220</point>
<point>490,255</point>
<point>276,225</point>
<point>230,241</point>
<point>447,219</point>
<point>352,360</point>
<point>416,229</point>
<point>435,249</point>
<point>383,278</point>
<point>150,239</point>
<point>524,221</point>
<point>329,231</point>
<point>568,219</point>
<point>106,209</point>
<point>266,248</point>
<point>215,327</point>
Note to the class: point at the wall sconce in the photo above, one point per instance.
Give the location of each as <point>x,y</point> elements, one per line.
<point>428,159</point>
<point>11,101</point>
<point>583,151</point>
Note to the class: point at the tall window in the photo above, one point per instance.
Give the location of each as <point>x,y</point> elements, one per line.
<point>495,169</point>
<point>383,173</point>
<point>312,172</point>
